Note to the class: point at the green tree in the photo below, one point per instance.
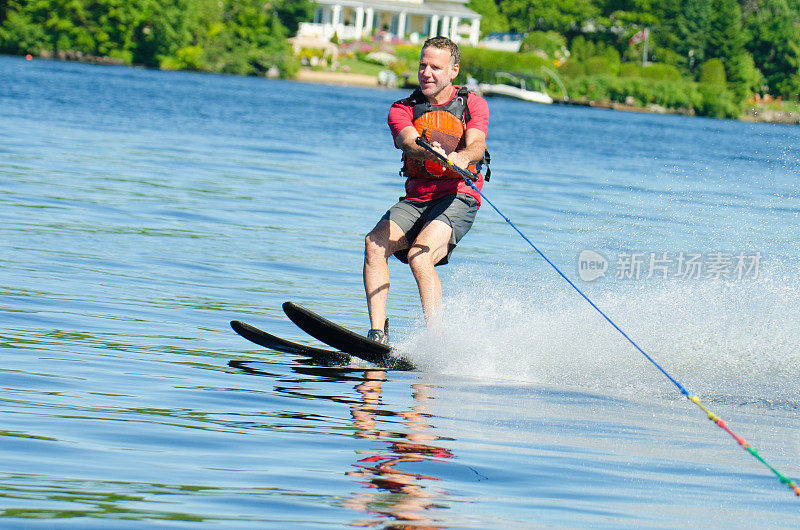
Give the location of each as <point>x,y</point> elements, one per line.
<point>718,102</point>
<point>20,32</point>
<point>664,38</point>
<point>564,16</point>
<point>726,37</point>
<point>165,27</point>
<point>639,13</point>
<point>726,41</point>
<point>292,12</point>
<point>713,73</point>
<point>743,76</point>
<point>237,36</point>
<point>774,45</point>
<point>552,43</point>
<point>692,29</point>
<point>62,23</point>
<point>491,18</point>
<point>67,21</point>
<point>113,24</point>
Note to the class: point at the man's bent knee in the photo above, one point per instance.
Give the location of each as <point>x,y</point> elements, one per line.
<point>378,243</point>
<point>373,249</point>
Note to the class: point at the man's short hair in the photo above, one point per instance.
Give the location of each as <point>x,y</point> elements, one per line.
<point>443,43</point>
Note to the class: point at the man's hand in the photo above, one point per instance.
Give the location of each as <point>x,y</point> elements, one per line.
<point>458,159</point>
<point>406,141</point>
<point>439,149</point>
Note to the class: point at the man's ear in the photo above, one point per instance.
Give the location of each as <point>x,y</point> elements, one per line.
<point>455,68</point>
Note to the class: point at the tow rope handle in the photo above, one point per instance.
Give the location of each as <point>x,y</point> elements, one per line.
<point>468,175</point>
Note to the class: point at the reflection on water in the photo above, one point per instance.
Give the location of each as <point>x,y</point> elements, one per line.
<point>391,494</point>
<point>402,495</point>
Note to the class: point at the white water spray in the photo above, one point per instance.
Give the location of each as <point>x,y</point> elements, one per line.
<point>734,340</point>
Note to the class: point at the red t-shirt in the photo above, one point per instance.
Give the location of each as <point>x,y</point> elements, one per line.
<point>401,115</point>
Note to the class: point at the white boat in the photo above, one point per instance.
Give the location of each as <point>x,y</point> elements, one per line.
<point>514,87</point>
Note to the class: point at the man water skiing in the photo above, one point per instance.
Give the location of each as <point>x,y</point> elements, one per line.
<point>439,207</point>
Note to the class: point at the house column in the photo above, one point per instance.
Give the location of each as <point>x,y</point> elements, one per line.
<point>454,29</point>
<point>475,31</point>
<point>445,31</point>
<point>359,22</point>
<point>370,20</point>
<point>401,25</point>
<point>337,14</point>
<point>434,25</point>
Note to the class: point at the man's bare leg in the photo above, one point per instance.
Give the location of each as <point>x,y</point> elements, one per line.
<point>383,241</point>
<point>430,246</point>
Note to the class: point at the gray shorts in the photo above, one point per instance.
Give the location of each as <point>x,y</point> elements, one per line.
<point>456,209</point>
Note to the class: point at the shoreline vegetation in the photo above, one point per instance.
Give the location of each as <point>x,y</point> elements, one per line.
<point>728,72</point>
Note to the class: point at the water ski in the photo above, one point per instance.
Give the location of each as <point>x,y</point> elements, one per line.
<point>262,338</point>
<point>347,342</point>
<point>335,335</point>
<point>343,339</point>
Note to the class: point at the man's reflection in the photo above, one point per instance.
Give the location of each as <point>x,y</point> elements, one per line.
<point>398,494</point>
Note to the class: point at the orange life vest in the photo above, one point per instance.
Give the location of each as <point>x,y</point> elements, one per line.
<point>445,124</point>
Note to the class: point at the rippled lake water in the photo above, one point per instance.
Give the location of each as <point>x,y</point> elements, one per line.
<point>140,211</point>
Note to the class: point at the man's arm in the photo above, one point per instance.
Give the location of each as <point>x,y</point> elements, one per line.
<point>406,141</point>
<point>473,151</point>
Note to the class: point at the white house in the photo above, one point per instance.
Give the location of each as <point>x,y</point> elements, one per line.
<point>412,20</point>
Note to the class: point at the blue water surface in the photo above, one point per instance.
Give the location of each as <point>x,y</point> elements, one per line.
<point>141,211</point>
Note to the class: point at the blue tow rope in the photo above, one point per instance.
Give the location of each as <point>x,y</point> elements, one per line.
<point>470,178</point>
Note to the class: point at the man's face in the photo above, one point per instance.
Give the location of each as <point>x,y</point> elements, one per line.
<point>436,72</point>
